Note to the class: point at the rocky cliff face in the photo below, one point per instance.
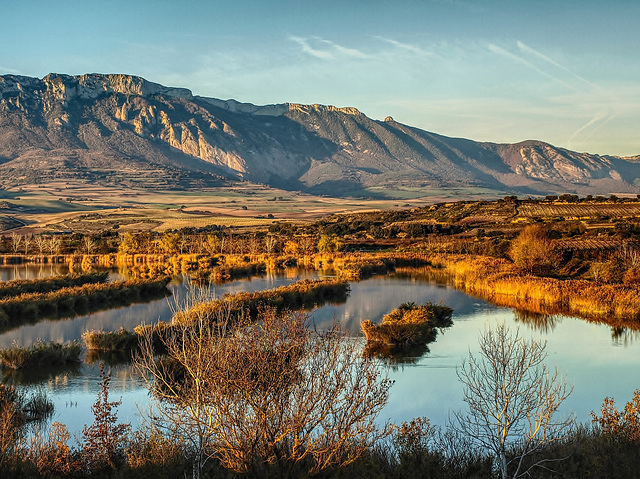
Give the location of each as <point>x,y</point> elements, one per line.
<point>124,129</point>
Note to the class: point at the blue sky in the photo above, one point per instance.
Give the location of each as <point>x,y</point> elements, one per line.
<point>566,72</point>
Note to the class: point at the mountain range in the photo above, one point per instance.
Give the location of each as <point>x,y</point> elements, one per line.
<point>125,130</point>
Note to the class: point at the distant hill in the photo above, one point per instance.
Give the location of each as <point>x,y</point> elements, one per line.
<point>124,130</point>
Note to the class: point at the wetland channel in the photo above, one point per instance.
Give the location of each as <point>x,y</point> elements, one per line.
<point>595,359</point>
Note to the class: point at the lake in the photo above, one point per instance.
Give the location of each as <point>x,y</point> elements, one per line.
<point>595,361</point>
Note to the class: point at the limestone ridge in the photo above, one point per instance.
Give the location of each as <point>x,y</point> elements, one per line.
<point>124,129</point>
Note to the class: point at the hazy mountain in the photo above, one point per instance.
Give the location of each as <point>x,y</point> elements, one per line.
<point>125,130</point>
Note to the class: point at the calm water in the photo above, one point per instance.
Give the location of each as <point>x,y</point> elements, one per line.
<point>588,355</point>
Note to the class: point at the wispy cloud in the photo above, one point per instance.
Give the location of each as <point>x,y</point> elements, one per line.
<point>593,96</point>
<point>527,49</point>
<point>345,51</point>
<point>307,48</point>
<point>326,49</point>
<point>512,56</point>
<point>405,46</point>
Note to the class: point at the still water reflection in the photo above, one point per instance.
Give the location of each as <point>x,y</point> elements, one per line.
<point>593,359</point>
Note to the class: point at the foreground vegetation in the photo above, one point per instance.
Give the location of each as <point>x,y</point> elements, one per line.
<point>248,403</point>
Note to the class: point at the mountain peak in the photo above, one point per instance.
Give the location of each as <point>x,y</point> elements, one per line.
<point>317,108</point>
<point>123,128</point>
<point>96,84</point>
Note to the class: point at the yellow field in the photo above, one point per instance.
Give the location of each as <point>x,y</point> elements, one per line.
<point>82,207</point>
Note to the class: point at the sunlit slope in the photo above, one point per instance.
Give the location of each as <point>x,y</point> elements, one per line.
<point>124,130</point>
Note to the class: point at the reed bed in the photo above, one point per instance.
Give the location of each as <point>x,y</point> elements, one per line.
<point>302,294</point>
<point>503,283</point>
<point>219,274</point>
<point>78,299</point>
<point>40,354</point>
<point>408,325</point>
<point>121,340</point>
<point>45,285</point>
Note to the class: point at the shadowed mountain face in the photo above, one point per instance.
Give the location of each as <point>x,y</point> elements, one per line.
<point>120,129</point>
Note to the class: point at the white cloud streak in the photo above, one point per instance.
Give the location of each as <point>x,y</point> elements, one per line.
<point>512,56</point>
<point>405,46</point>
<point>596,94</point>
<point>527,49</point>
<point>334,50</point>
<point>345,51</point>
<point>306,48</point>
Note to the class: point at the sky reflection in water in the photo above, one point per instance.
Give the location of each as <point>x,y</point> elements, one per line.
<point>597,364</point>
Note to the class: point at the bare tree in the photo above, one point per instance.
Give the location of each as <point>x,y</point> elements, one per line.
<point>88,244</point>
<point>11,422</point>
<point>103,441</point>
<point>55,244</point>
<point>267,394</point>
<point>512,400</point>
<point>270,244</point>
<point>254,245</point>
<point>27,244</point>
<point>41,243</point>
<point>16,241</point>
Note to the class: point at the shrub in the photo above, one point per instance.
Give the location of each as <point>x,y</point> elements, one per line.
<point>533,251</point>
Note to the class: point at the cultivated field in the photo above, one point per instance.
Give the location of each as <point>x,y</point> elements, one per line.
<point>87,208</point>
<point>580,211</point>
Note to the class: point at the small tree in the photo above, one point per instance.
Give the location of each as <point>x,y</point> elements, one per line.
<point>512,400</point>
<point>54,244</point>
<point>88,244</point>
<point>270,244</point>
<point>103,443</point>
<point>129,244</point>
<point>27,244</point>
<point>16,241</point>
<point>41,243</point>
<point>171,243</point>
<point>329,244</point>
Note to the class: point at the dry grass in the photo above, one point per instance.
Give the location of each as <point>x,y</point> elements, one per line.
<point>502,283</point>
<point>302,294</point>
<point>78,299</point>
<point>408,325</point>
<point>40,354</point>
<point>87,208</point>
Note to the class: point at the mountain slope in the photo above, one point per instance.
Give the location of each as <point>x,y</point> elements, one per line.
<point>125,130</point>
